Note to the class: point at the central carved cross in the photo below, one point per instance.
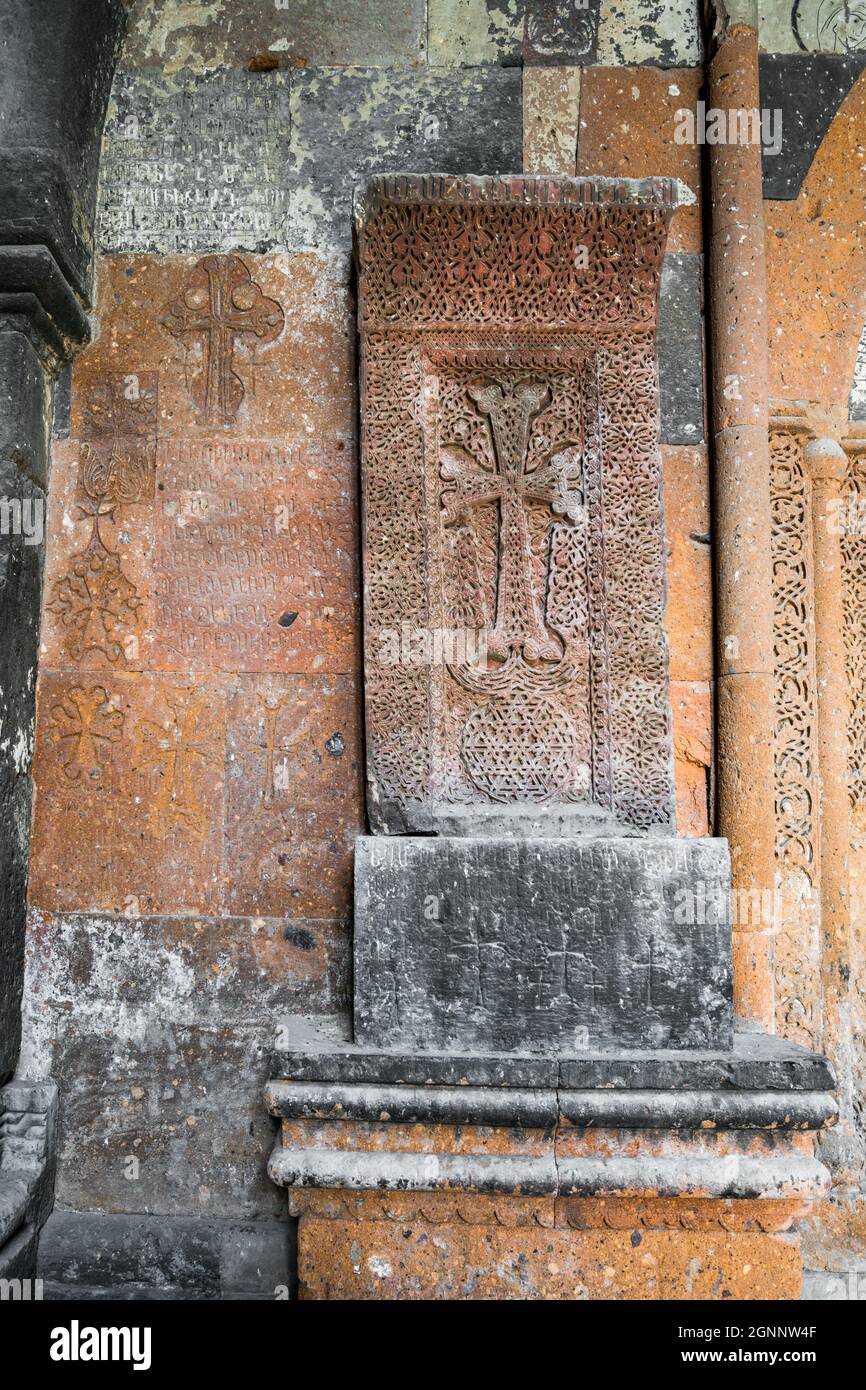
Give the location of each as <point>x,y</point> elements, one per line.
<point>222,303</point>
<point>511,409</point>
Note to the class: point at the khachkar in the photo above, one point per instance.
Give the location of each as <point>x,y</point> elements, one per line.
<point>543,1059</point>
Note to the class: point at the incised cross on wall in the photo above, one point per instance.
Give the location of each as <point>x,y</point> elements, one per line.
<point>221,305</point>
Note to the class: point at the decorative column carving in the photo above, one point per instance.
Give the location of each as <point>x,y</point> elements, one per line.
<point>738,353</point>
<point>818,548</point>
<point>825,465</point>
<point>797,950</point>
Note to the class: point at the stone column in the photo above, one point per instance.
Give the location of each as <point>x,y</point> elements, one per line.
<point>825,463</point>
<point>738,353</point>
<point>58,61</point>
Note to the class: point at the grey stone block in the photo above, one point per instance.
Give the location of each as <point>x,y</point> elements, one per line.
<point>756,1062</point>
<point>680,350</point>
<point>55,75</point>
<point>119,1256</point>
<point>298,33</point>
<point>807,89</point>
<point>352,123</point>
<point>195,163</point>
<point>542,945</point>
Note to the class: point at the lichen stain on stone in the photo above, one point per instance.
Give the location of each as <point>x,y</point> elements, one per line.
<point>163,30</point>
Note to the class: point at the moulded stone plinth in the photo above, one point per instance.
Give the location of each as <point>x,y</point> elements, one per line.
<point>498,942</point>
<point>631,1175</point>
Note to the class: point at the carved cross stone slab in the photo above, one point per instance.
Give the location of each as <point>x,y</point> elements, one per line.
<point>516,662</point>
<point>221,306</point>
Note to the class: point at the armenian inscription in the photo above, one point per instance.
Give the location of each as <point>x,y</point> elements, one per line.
<point>194,162</point>
<point>241,531</point>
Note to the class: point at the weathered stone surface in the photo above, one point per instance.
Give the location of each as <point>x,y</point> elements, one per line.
<point>28,1114</point>
<point>814,245</point>
<point>639,31</point>
<point>164,806</point>
<point>803,92</point>
<point>384,1260</point>
<point>534,32</point>
<point>133,770</point>
<point>159,1032</point>
<point>755,1062</point>
<point>228,517</point>
<point>112,1255</point>
<point>564,593</point>
<point>23,469</point>
<point>692,705</point>
<point>501,944</point>
<point>203,525</point>
<point>471,32</point>
<point>58,61</point>
<point>551,105</point>
<point>249,33</point>
<point>688,616</point>
<point>24,392</point>
<point>809,26</point>
<point>349,124</point>
<point>681,349</point>
<point>294,796</point>
<point>600,1108</point>
<point>628,124</point>
<point>195,163</point>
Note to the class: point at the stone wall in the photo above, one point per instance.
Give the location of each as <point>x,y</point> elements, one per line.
<point>198,743</point>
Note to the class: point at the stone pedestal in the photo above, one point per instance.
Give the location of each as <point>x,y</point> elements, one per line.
<point>544,1096</point>
<point>541,943</point>
<point>617,1175</point>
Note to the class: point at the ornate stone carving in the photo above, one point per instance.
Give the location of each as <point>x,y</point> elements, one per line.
<point>797,956</point>
<point>512,488</point>
<point>96,603</point>
<point>795,658</point>
<point>853,542</point>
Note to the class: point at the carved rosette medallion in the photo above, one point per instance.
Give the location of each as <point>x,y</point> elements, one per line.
<point>512,509</point>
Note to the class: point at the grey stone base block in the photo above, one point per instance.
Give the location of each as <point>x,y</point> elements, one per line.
<point>118,1256</point>
<point>542,945</point>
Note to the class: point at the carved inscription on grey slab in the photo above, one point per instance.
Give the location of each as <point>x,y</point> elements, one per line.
<point>542,945</point>
<point>195,163</point>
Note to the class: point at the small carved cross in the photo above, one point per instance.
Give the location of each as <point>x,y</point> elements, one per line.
<point>221,304</point>
<point>172,749</point>
<point>511,408</point>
